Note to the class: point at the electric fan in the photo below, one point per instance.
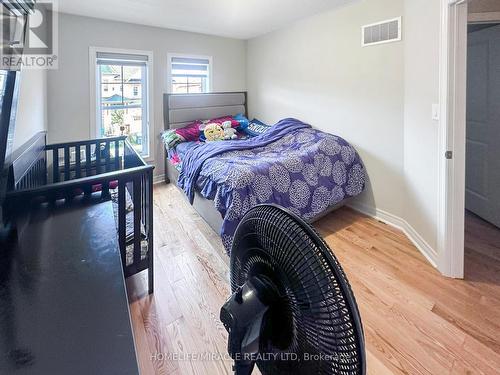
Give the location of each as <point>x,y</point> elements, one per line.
<point>292,310</point>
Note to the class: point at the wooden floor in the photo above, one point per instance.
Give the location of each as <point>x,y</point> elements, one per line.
<point>415,321</point>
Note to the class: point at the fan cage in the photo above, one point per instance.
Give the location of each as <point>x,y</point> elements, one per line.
<point>318,306</point>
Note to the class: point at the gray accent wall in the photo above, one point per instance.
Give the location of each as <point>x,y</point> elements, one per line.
<point>69,87</point>
<point>421,133</point>
<point>379,98</point>
<point>32,106</point>
<point>317,71</point>
<point>32,114</point>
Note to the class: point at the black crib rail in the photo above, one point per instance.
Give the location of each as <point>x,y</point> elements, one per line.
<point>46,173</point>
<point>86,158</point>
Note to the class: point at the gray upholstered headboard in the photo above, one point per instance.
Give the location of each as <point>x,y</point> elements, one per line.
<point>181,109</point>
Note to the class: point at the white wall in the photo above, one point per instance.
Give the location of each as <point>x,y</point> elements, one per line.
<point>379,98</point>
<point>68,88</point>
<point>317,71</point>
<point>421,80</point>
<point>32,106</point>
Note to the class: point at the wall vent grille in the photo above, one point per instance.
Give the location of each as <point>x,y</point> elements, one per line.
<point>381,32</point>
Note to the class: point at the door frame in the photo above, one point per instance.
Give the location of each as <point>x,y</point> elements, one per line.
<point>451,168</point>
<point>452,137</point>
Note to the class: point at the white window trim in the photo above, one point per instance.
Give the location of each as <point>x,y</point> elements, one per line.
<point>94,121</point>
<point>168,88</point>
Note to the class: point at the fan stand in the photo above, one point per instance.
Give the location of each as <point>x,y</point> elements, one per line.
<point>243,316</point>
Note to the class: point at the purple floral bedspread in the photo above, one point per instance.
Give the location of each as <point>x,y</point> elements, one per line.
<point>302,169</point>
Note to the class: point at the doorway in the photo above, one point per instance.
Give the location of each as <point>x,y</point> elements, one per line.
<point>456,132</point>
<point>482,161</point>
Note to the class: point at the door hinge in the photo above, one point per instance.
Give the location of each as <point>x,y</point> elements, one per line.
<point>448,154</point>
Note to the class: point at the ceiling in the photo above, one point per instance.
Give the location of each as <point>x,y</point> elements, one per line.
<point>243,19</point>
<point>482,6</point>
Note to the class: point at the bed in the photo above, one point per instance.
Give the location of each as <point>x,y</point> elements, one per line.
<point>294,165</point>
<point>97,170</point>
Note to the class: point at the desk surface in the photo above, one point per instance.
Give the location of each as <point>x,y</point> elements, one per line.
<point>63,303</point>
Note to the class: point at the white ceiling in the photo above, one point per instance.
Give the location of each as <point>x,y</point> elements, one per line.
<point>242,19</point>
<point>481,6</point>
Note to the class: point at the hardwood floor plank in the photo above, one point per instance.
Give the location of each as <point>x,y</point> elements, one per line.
<point>141,340</point>
<point>415,320</point>
<point>484,360</point>
<point>159,340</point>
<point>482,236</point>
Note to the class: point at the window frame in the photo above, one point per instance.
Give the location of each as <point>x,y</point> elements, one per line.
<point>95,129</point>
<point>171,55</point>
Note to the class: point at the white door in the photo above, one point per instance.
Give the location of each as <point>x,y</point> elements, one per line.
<point>482,186</point>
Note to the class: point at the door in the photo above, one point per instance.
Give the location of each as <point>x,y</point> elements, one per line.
<point>482,186</point>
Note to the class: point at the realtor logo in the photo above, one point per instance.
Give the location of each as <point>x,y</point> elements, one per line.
<point>29,34</point>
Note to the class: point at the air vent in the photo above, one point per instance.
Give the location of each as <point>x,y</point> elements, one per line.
<point>381,32</point>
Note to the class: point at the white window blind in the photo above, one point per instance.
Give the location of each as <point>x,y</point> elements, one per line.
<point>190,74</point>
<point>104,58</point>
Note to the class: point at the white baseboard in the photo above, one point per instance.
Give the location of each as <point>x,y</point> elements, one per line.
<point>395,221</point>
<point>158,179</point>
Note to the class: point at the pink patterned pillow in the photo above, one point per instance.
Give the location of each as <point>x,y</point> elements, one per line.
<point>190,132</point>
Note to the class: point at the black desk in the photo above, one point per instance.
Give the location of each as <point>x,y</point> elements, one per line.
<point>63,303</point>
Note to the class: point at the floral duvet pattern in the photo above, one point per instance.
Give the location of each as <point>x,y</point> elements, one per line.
<point>306,171</point>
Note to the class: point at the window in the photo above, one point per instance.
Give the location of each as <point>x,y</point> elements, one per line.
<point>122,97</point>
<point>189,74</point>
